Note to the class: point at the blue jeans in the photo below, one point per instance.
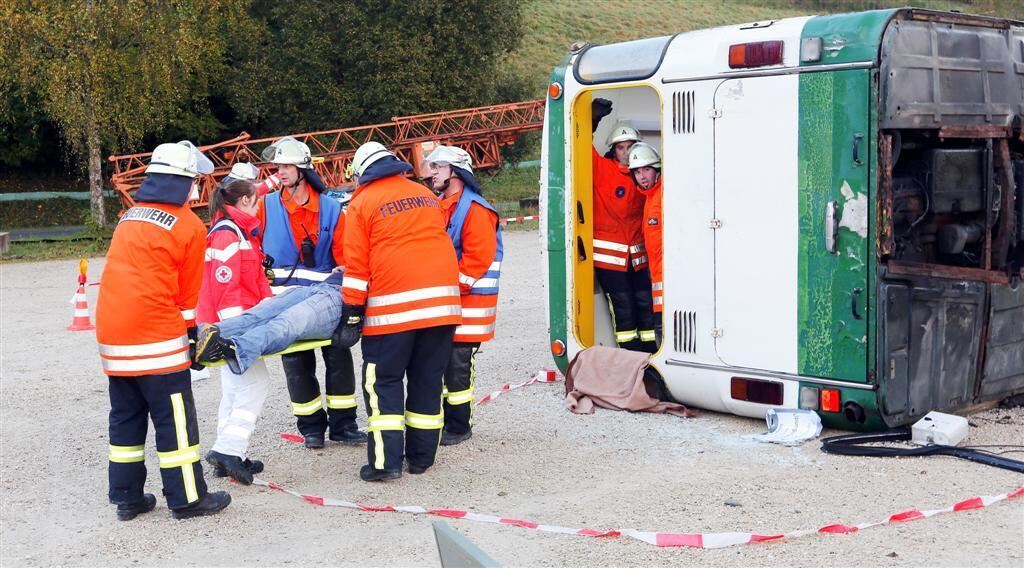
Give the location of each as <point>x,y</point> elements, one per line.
<point>302,313</point>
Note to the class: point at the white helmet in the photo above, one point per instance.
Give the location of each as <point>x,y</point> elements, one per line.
<point>244,170</point>
<point>623,132</point>
<point>452,156</point>
<point>367,154</point>
<point>642,154</point>
<point>288,150</point>
<point>180,159</point>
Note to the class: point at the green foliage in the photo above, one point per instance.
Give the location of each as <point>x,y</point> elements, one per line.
<point>331,64</point>
<point>122,66</point>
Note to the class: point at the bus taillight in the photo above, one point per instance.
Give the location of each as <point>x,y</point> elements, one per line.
<point>754,390</point>
<point>757,54</point>
<point>830,400</point>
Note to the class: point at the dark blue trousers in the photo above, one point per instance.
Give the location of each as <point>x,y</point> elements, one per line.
<point>167,400</point>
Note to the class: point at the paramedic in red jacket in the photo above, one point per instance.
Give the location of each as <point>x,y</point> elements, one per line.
<point>472,224</point>
<point>234,281</point>
<point>620,258</point>
<point>144,317</point>
<point>401,291</point>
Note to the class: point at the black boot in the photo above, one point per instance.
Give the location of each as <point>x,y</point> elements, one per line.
<point>208,504</point>
<point>367,473</point>
<point>232,466</point>
<point>352,436</point>
<point>209,346</point>
<point>451,439</point>
<point>418,469</point>
<point>127,512</point>
<point>314,441</point>
<point>254,466</point>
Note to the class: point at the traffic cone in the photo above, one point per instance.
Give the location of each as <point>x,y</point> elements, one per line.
<point>80,321</point>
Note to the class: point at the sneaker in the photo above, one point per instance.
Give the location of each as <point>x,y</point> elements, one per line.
<point>450,439</point>
<point>209,348</point>
<point>208,504</point>
<point>368,473</point>
<point>351,436</point>
<point>233,466</point>
<point>131,510</point>
<point>314,441</point>
<point>254,467</point>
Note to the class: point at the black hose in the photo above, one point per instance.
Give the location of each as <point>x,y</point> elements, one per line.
<point>850,445</point>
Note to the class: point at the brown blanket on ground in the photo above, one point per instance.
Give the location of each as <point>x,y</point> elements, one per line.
<point>613,378</point>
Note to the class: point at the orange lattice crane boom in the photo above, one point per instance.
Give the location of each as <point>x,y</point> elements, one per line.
<point>480,131</point>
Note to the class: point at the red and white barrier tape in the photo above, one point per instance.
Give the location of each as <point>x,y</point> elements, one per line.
<point>520,219</point>
<point>541,377</point>
<point>544,376</point>
<point>695,540</point>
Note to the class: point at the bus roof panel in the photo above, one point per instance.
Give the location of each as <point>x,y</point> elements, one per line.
<point>705,53</point>
<point>848,38</point>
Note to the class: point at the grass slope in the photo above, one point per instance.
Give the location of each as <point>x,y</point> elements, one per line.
<point>552,25</point>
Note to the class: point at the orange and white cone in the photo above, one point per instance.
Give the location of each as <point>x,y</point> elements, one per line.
<point>80,321</point>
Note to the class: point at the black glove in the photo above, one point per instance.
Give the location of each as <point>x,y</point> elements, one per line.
<point>599,108</point>
<point>350,328</point>
<point>193,337</point>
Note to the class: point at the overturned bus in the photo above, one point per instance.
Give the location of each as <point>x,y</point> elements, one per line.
<point>843,208</point>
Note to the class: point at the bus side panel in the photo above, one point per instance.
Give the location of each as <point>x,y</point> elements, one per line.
<point>552,203</point>
<point>834,166</point>
<point>756,285</point>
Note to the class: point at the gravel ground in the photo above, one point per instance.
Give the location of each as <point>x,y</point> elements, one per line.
<point>529,459</point>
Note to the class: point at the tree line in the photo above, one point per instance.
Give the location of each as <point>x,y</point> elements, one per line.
<point>80,79</point>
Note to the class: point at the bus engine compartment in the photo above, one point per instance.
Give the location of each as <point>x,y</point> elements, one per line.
<point>950,316</point>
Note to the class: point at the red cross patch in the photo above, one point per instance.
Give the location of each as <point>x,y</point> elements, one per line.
<point>223,275</point>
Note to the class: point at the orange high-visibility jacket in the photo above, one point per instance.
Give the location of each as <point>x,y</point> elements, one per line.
<point>149,290</point>
<point>400,262</point>
<point>618,213</point>
<point>479,246</point>
<point>653,231</point>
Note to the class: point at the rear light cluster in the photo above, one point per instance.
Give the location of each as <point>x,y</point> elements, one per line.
<point>825,400</point>
<point>757,54</point>
<point>755,390</point>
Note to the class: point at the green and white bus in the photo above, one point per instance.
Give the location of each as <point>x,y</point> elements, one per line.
<point>843,200</point>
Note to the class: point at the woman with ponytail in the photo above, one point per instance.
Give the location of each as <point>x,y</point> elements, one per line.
<point>234,281</point>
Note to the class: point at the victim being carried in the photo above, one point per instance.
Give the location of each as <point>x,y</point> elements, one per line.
<point>302,313</point>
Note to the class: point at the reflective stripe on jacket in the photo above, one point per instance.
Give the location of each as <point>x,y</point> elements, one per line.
<point>150,287</point>
<point>400,263</point>
<point>618,213</point>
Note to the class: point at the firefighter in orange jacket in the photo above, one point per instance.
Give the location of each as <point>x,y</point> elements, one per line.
<point>144,320</point>
<point>645,163</point>
<point>620,257</point>
<point>401,292</point>
<point>473,227</point>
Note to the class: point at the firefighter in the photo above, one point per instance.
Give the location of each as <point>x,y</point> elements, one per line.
<point>645,163</point>
<point>620,258</point>
<point>472,225</point>
<point>401,291</point>
<point>303,234</point>
<point>144,319</point>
